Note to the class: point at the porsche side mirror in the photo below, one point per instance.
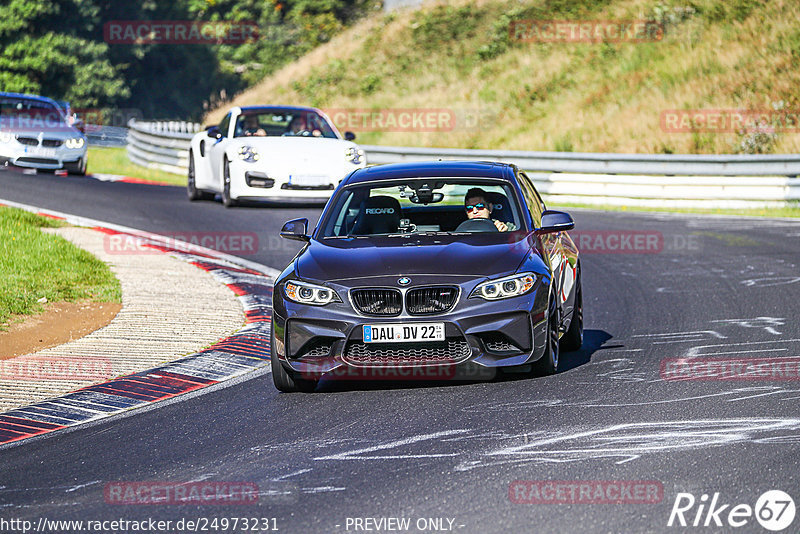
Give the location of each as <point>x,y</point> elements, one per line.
<point>349,136</point>
<point>213,132</point>
<point>296,229</point>
<point>555,221</point>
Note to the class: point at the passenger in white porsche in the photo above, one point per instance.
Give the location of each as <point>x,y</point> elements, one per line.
<point>478,207</point>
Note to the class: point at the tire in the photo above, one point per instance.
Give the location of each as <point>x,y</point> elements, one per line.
<point>227,201</point>
<point>573,338</point>
<point>548,363</point>
<point>191,189</point>
<point>283,380</point>
<point>78,168</point>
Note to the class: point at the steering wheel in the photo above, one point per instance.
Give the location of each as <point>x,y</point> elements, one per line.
<point>477,225</point>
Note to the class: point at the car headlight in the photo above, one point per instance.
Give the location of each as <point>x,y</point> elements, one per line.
<point>6,137</point>
<point>248,154</point>
<point>305,293</point>
<point>75,142</point>
<point>510,286</point>
<point>354,155</point>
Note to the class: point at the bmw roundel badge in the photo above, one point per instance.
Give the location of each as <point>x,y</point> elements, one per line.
<point>404,281</point>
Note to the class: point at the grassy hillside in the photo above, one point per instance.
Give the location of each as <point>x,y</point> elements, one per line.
<point>594,97</point>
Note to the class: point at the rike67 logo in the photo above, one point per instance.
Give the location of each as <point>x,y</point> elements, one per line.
<point>774,510</point>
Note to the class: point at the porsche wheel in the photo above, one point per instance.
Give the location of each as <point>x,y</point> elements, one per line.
<point>227,201</point>
<point>191,188</point>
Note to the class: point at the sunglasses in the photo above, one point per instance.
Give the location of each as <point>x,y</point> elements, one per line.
<point>479,205</point>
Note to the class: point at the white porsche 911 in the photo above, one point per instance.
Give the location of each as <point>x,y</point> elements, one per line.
<point>272,153</point>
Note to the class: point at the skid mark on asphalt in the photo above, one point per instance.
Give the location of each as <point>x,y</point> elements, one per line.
<point>626,442</point>
<point>363,453</point>
<point>741,347</point>
<point>234,356</point>
<point>620,442</point>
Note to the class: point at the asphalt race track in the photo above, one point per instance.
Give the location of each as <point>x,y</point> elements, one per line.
<point>691,287</point>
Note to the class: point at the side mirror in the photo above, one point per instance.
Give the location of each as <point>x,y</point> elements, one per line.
<point>296,229</point>
<point>213,132</point>
<point>349,136</point>
<point>555,221</point>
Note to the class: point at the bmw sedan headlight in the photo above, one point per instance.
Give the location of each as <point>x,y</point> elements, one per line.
<point>75,142</point>
<point>248,154</point>
<point>354,155</point>
<point>6,137</point>
<point>305,293</point>
<point>510,286</point>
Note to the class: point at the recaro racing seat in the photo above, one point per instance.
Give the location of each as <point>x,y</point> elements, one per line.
<point>378,215</point>
<point>501,210</point>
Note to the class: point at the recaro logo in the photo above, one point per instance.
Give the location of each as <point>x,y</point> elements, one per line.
<point>379,211</point>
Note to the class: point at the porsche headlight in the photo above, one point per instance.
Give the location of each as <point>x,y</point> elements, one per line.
<point>510,286</point>
<point>305,293</point>
<point>248,154</point>
<point>6,137</point>
<point>354,155</point>
<point>75,142</point>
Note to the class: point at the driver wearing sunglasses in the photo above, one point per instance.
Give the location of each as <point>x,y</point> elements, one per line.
<point>478,208</point>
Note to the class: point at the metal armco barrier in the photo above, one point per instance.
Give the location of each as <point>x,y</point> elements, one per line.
<point>655,180</point>
<point>161,144</point>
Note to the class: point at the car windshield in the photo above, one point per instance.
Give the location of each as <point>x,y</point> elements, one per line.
<point>29,114</point>
<point>277,123</point>
<point>424,206</point>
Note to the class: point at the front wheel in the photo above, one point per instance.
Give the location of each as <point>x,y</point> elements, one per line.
<point>548,363</point>
<point>227,201</point>
<point>283,380</point>
<point>78,168</point>
<point>573,338</point>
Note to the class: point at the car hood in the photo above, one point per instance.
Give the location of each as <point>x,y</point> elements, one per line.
<point>474,256</point>
<point>50,131</point>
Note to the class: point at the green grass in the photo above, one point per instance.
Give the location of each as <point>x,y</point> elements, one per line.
<point>34,264</point>
<point>789,211</point>
<point>114,160</point>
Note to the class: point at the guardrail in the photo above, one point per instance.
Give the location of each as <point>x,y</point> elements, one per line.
<point>161,144</point>
<point>590,162</point>
<point>106,136</point>
<point>657,180</point>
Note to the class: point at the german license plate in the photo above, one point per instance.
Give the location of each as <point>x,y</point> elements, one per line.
<point>309,180</point>
<point>398,333</point>
<point>43,152</point>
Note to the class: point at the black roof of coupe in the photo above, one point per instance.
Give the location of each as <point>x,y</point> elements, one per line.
<point>425,169</point>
